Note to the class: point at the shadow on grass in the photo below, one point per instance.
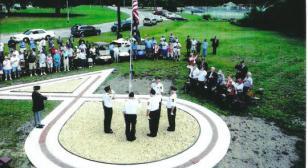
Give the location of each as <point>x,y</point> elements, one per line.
<point>64,15</point>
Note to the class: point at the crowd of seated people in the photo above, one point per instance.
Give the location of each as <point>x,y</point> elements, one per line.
<point>208,82</point>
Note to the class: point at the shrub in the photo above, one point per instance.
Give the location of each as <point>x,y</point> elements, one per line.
<point>207,17</point>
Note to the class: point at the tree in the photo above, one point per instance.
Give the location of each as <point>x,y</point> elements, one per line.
<point>56,4</point>
<point>8,4</point>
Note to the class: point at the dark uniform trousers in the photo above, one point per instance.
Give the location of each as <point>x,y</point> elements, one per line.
<point>130,126</point>
<point>171,118</point>
<point>107,119</point>
<point>153,122</point>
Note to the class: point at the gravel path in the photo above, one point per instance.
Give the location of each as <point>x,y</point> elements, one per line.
<point>66,32</point>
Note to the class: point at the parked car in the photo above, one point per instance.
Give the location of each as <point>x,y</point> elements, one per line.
<point>158,18</point>
<point>84,30</point>
<point>147,22</point>
<point>125,25</point>
<point>35,34</point>
<point>102,53</point>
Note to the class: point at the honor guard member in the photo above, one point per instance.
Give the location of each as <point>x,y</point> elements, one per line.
<point>171,108</point>
<point>130,116</point>
<point>38,106</point>
<point>159,90</point>
<point>107,104</point>
<point>153,113</point>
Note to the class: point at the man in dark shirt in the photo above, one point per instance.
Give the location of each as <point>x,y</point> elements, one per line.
<point>215,44</point>
<point>38,105</point>
<point>11,44</point>
<point>241,70</point>
<point>188,45</point>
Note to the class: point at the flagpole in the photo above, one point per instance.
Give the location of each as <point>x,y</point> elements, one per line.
<point>130,55</point>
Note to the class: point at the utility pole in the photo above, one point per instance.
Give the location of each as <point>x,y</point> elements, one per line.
<point>119,19</point>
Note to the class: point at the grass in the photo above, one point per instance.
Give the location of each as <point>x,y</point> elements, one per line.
<point>13,114</point>
<point>43,18</point>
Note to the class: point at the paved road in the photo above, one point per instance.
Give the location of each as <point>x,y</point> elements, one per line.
<point>65,32</point>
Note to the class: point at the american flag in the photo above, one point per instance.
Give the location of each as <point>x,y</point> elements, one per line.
<point>135,12</point>
<point>135,17</point>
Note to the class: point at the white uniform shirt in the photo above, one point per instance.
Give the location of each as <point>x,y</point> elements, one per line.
<point>159,88</point>
<point>171,102</point>
<point>153,103</point>
<point>202,75</point>
<point>107,100</point>
<point>131,106</point>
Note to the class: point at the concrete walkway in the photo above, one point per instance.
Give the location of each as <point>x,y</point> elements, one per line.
<point>44,150</point>
<point>66,32</point>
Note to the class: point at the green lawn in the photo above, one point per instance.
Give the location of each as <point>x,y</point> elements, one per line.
<point>87,15</point>
<point>276,61</point>
<point>13,114</point>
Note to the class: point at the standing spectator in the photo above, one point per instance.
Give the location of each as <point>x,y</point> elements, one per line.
<point>93,53</point>
<point>1,71</point>
<point>171,109</point>
<point>22,62</point>
<point>70,51</point>
<point>7,67</point>
<point>171,38</point>
<point>50,42</point>
<point>60,41</point>
<point>170,51</point>
<point>204,49</point>
<point>198,47</point>
<point>38,106</point>
<point>134,49</point>
<point>1,52</point>
<point>215,44</point>
<point>177,50</point>
<point>188,46</point>
<point>192,60</point>
<point>148,47</point>
<point>116,53</point>
<point>71,41</point>
<point>49,63</point>
<point>194,45</point>
<point>32,63</point>
<point>156,51</point>
<point>57,61</point>
<point>81,41</point>
<point>130,116</point>
<point>111,47</point>
<point>220,80</point>
<point>15,65</point>
<point>107,104</point>
<point>32,44</point>
<point>164,49</point>
<point>22,46</point>
<point>66,66</point>
<point>11,44</point>
<point>83,58</point>
<point>42,63</point>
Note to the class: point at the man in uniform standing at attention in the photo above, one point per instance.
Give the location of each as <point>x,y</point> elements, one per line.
<point>153,113</point>
<point>130,116</point>
<point>107,104</point>
<point>38,106</point>
<point>171,108</point>
<point>159,90</point>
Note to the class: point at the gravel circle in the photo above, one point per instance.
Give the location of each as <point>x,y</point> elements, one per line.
<point>83,135</point>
